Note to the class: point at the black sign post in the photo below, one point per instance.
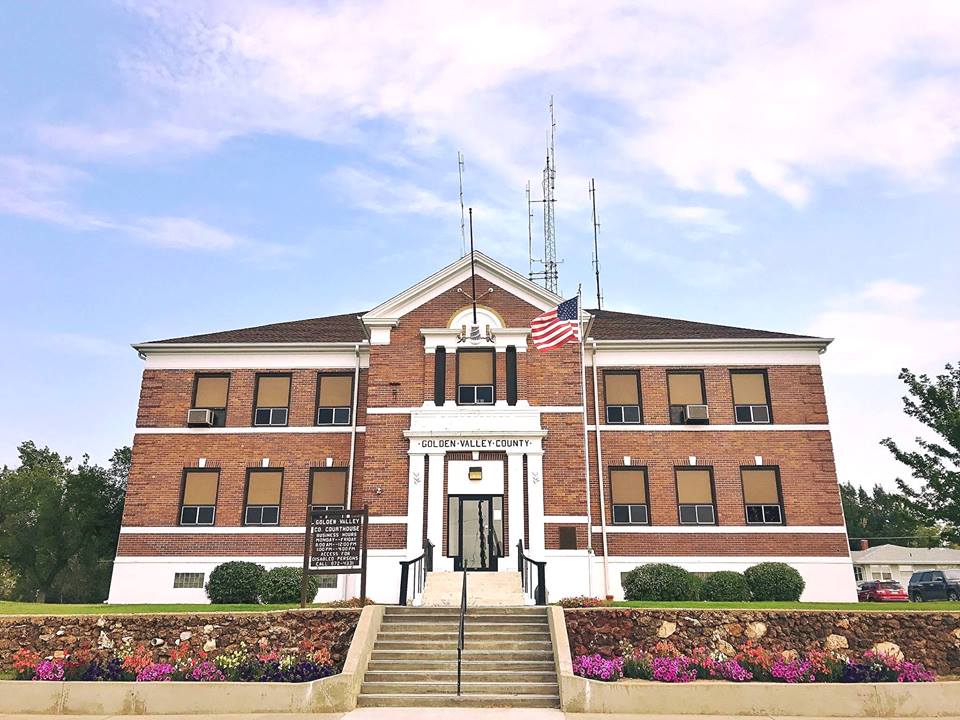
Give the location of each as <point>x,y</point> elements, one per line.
<point>335,543</point>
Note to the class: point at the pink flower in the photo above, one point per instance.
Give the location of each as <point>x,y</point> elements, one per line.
<point>205,671</point>
<point>48,670</point>
<point>597,667</point>
<point>673,669</point>
<point>155,672</point>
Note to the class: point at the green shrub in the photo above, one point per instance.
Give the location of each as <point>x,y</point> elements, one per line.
<point>282,585</point>
<point>235,582</point>
<point>659,581</point>
<point>725,586</point>
<point>774,581</point>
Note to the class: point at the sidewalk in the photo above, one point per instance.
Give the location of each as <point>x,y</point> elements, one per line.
<point>425,714</point>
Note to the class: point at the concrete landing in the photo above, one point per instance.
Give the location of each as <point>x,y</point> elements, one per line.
<point>484,589</point>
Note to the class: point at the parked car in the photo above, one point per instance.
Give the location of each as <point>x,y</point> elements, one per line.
<point>934,585</point>
<point>882,591</point>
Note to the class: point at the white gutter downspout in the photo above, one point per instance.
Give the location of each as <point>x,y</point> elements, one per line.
<point>603,509</point>
<point>353,436</point>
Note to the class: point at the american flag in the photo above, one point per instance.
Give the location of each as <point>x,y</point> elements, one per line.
<point>557,327</point>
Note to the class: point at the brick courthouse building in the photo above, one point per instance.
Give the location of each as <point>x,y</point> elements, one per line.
<point>709,446</point>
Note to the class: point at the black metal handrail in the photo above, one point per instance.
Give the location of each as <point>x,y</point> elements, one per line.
<point>422,564</point>
<point>463,615</point>
<point>526,565</point>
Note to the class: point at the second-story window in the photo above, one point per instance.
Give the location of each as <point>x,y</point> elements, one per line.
<point>198,498</point>
<point>695,497</point>
<point>621,391</point>
<point>209,397</point>
<point>272,402</point>
<point>263,497</point>
<point>328,488</point>
<point>628,496</point>
<point>475,377</point>
<point>751,398</point>
<point>761,496</point>
<point>334,399</point>
<point>688,403</point>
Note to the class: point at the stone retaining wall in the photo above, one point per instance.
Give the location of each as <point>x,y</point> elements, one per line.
<point>212,632</point>
<point>932,638</point>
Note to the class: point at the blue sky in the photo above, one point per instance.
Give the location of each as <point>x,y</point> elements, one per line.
<point>171,168</point>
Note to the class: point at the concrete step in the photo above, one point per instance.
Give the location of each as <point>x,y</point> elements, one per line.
<point>451,700</point>
<point>450,654</point>
<point>444,589</point>
<point>532,621</point>
<point>450,665</point>
<point>415,687</point>
<point>474,644</point>
<point>500,611</point>
<point>467,675</point>
<point>469,633</point>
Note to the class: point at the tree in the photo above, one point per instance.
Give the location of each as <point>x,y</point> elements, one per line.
<point>58,525</point>
<point>884,517</point>
<point>936,404</point>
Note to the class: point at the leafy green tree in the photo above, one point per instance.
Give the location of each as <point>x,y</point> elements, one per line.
<point>935,403</point>
<point>59,525</point>
<point>884,517</point>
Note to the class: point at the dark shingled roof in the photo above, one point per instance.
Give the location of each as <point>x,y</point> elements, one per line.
<point>610,325</point>
<point>333,328</point>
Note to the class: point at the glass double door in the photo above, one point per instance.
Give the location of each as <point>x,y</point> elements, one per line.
<point>475,531</point>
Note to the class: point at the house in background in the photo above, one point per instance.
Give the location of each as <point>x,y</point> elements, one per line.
<point>895,562</point>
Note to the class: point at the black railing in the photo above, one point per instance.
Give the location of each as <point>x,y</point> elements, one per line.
<point>527,566</point>
<point>463,615</point>
<point>418,567</point>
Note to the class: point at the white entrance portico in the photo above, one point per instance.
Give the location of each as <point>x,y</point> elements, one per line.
<point>436,431</point>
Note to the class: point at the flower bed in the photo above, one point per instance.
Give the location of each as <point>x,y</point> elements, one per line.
<point>185,663</point>
<point>750,663</point>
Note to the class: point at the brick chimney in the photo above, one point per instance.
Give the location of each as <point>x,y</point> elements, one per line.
<point>864,544</point>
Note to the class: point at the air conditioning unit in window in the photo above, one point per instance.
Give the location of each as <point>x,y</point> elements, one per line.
<point>696,413</point>
<point>198,416</point>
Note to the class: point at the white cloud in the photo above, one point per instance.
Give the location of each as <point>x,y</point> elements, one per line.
<point>387,195</point>
<point>702,220</point>
<point>722,99</point>
<point>184,233</point>
<point>891,292</point>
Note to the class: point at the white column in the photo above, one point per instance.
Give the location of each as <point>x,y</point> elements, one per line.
<point>535,503</point>
<point>435,513</point>
<point>515,507</point>
<point>415,506</point>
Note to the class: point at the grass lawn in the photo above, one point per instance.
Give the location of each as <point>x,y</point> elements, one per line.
<point>854,607</point>
<point>24,608</point>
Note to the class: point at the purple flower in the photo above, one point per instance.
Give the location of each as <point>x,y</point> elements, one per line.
<point>205,671</point>
<point>48,670</point>
<point>597,667</point>
<point>914,672</point>
<point>793,671</point>
<point>673,669</point>
<point>734,671</point>
<point>155,672</point>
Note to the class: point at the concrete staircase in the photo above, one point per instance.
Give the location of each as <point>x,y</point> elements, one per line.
<point>507,659</point>
<point>484,589</point>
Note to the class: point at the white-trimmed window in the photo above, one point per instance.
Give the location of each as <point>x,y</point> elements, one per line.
<point>185,580</point>
<point>475,377</point>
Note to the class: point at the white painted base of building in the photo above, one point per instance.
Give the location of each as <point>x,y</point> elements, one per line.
<point>569,573</point>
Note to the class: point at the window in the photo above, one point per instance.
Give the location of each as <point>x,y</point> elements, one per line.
<point>695,496</point>
<point>511,365</point>
<point>326,582</point>
<point>199,496</point>
<point>761,496</point>
<point>628,496</point>
<point>439,376</point>
<point>567,538</point>
<point>272,400</point>
<point>187,580</point>
<point>475,377</point>
<point>334,399</point>
<point>210,393</point>
<point>857,573</point>
<point>621,392</point>
<point>328,488</point>
<point>751,399</point>
<point>686,388</point>
<point>263,497</point>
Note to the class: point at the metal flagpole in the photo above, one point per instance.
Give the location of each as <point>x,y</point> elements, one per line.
<point>586,455</point>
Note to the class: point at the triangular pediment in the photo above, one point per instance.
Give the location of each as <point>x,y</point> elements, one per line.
<point>392,310</point>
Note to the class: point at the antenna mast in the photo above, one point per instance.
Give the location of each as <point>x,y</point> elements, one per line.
<point>463,232</point>
<point>596,246</point>
<point>550,273</point>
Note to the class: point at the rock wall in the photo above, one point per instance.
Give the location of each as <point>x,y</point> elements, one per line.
<point>212,632</point>
<point>932,638</point>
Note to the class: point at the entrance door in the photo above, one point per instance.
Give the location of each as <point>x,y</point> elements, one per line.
<point>476,521</point>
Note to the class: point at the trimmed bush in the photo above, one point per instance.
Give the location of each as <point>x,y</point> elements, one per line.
<point>660,581</point>
<point>774,581</point>
<point>282,585</point>
<point>725,586</point>
<point>235,582</point>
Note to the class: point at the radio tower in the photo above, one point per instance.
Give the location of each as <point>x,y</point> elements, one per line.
<point>550,273</point>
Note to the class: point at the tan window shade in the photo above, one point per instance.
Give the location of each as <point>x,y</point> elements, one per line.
<point>621,389</point>
<point>749,389</point>
<point>693,487</point>
<point>476,368</point>
<point>211,392</point>
<point>264,488</point>
<point>273,391</point>
<point>200,488</point>
<point>760,487</point>
<point>628,487</point>
<point>685,389</point>
<point>336,391</point>
<point>329,487</point>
